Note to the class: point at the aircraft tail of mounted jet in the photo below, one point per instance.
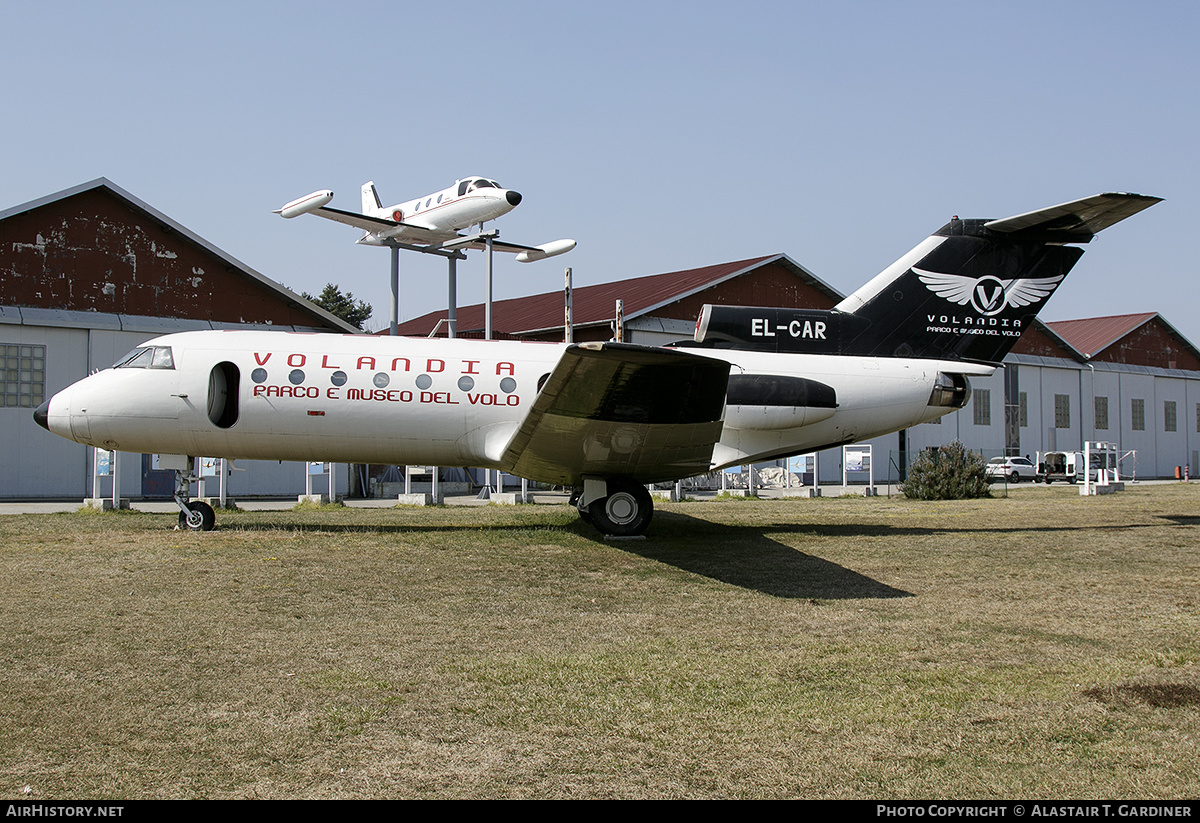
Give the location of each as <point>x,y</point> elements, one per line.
<point>967,292</point>
<point>370,198</point>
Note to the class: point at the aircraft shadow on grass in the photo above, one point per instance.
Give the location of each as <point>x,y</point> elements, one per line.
<point>749,557</point>
<point>743,556</point>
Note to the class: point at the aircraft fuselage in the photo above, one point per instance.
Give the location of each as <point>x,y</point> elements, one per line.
<point>366,399</point>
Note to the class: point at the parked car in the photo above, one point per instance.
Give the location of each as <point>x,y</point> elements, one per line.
<point>1060,466</point>
<point>1013,469</point>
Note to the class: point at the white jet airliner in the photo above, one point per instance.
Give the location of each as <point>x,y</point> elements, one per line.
<point>604,418</point>
<point>434,220</point>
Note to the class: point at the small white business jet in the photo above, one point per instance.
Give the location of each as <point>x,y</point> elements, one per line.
<point>604,418</point>
<point>434,220</point>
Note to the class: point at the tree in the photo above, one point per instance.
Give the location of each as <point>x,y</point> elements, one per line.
<point>341,305</point>
<point>947,473</point>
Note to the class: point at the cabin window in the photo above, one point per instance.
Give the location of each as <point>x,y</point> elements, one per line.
<point>147,357</point>
<point>22,375</point>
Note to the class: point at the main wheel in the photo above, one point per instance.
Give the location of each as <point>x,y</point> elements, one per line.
<point>200,517</point>
<point>625,512</point>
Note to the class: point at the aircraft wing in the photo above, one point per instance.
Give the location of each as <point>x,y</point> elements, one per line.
<point>620,410</point>
<point>501,245</point>
<point>374,225</point>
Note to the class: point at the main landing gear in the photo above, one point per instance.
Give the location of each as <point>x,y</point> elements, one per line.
<point>194,515</point>
<point>617,508</point>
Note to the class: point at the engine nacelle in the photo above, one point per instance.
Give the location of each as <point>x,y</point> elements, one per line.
<point>305,204</point>
<point>768,401</point>
<point>950,390</point>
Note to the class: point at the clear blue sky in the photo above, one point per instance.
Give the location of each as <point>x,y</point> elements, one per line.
<point>660,135</point>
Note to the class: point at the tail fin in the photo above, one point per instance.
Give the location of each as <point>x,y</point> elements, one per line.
<point>370,198</point>
<point>966,293</point>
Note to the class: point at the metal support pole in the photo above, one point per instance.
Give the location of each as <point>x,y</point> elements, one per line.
<point>487,292</point>
<point>394,328</point>
<point>568,323</point>
<point>452,301</point>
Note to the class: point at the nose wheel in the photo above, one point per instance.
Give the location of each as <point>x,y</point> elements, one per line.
<point>194,515</point>
<point>199,517</point>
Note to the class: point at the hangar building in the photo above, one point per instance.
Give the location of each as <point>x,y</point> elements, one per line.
<point>88,274</point>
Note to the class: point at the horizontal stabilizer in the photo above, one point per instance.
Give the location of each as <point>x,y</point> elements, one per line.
<point>619,410</point>
<point>1079,220</point>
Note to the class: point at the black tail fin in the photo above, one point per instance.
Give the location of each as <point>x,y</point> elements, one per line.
<point>965,293</point>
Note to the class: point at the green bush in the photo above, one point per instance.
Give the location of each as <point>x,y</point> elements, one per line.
<point>948,473</point>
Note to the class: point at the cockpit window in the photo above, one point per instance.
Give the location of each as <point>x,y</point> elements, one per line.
<point>481,184</point>
<point>147,357</point>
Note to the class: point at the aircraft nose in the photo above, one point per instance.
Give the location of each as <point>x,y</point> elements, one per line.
<point>513,197</point>
<point>41,415</point>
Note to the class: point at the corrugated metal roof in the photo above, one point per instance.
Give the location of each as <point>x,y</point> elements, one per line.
<point>595,304</point>
<point>1092,335</point>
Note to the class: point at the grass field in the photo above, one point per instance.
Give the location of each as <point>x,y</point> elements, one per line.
<point>1036,646</point>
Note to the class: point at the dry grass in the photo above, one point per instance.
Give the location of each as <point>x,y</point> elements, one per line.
<point>1041,645</point>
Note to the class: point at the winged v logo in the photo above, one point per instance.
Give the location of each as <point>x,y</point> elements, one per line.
<point>988,295</point>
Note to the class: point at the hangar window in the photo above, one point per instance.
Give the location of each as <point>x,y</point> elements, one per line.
<point>1062,411</point>
<point>982,405</point>
<point>147,357</point>
<point>22,375</point>
<point>1169,422</point>
<point>1023,414</point>
<point>1137,411</point>
<point>1102,413</point>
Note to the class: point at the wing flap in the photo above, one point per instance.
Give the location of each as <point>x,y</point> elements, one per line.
<point>617,410</point>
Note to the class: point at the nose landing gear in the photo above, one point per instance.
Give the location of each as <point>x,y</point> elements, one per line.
<point>197,517</point>
<point>194,515</point>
